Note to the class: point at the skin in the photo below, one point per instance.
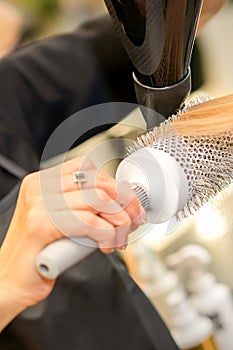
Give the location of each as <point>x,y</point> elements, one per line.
<point>104,216</point>
<point>209,9</point>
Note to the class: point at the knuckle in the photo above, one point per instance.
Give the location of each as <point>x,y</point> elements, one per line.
<point>29,189</point>
<point>134,202</point>
<point>103,177</point>
<point>126,221</point>
<point>95,222</point>
<point>85,163</point>
<point>107,239</point>
<point>91,220</point>
<point>122,218</point>
<point>34,219</point>
<point>102,195</point>
<point>28,181</point>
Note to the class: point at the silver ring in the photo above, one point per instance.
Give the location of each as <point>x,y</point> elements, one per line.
<point>79,177</point>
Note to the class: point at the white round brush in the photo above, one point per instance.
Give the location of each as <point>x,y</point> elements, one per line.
<point>173,175</point>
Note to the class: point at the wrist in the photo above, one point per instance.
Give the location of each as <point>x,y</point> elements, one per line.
<point>11,304</point>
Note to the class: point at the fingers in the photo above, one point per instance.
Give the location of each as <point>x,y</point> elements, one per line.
<point>129,201</point>
<point>94,178</point>
<point>51,179</point>
<point>113,207</point>
<point>87,224</point>
<point>80,164</point>
<point>119,192</point>
<point>77,214</point>
<point>103,210</point>
<point>94,200</point>
<point>99,202</point>
<point>61,178</point>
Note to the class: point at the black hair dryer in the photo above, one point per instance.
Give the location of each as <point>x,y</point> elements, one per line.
<point>158,36</point>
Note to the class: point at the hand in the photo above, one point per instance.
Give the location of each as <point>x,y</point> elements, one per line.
<point>50,205</point>
<point>209,9</point>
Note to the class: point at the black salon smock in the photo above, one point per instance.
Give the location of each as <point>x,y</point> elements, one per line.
<point>94,305</point>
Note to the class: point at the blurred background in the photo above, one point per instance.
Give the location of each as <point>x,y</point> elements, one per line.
<point>24,21</point>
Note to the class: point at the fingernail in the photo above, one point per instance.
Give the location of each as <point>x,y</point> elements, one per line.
<point>142,219</point>
<point>107,250</point>
<point>144,215</point>
<point>122,247</point>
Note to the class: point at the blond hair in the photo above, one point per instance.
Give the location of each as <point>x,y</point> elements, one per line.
<point>210,117</point>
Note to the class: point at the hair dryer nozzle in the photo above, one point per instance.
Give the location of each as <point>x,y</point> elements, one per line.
<point>165,101</point>
<point>158,36</point>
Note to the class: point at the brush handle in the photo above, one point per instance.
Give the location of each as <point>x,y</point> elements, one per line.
<point>59,256</point>
<point>160,185</point>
